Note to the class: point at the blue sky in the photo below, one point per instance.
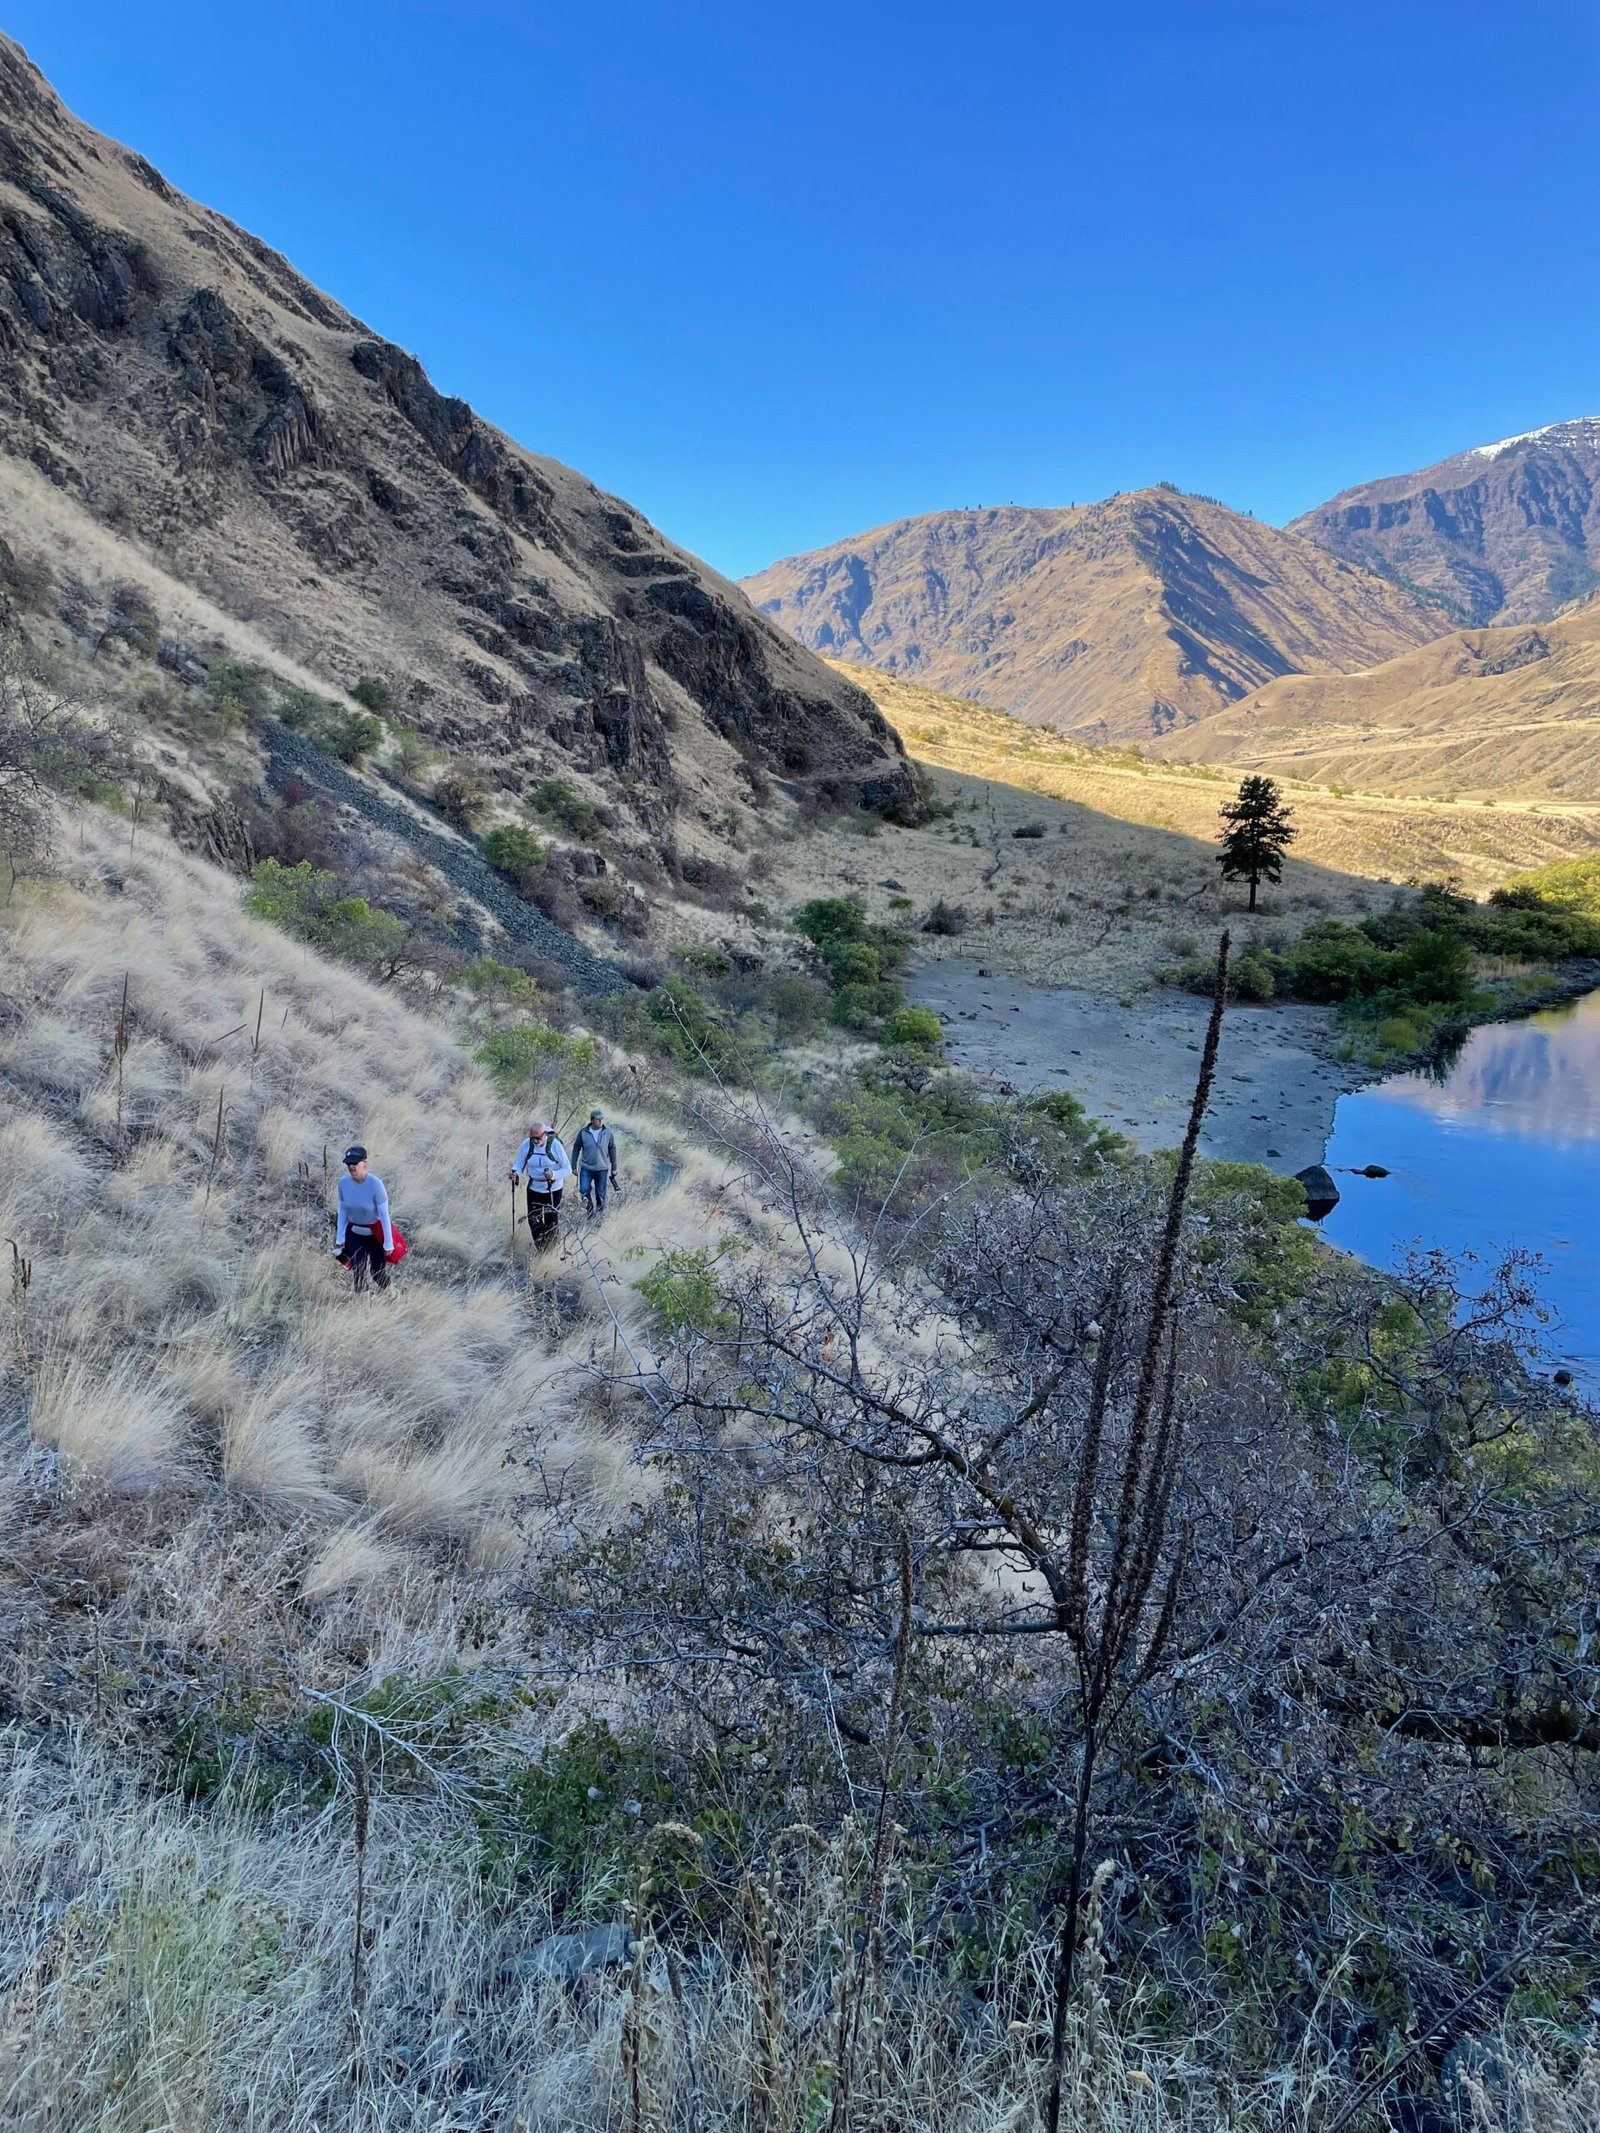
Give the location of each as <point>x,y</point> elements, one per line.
<point>780,274</point>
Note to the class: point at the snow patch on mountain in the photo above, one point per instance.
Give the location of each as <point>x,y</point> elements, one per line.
<point>1586,427</point>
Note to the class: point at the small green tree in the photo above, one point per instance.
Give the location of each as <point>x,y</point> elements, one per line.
<point>914,1028</point>
<point>373,695</point>
<point>516,853</point>
<point>566,807</point>
<point>1257,829</point>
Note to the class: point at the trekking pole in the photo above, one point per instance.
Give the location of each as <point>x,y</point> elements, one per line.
<point>513,1218</point>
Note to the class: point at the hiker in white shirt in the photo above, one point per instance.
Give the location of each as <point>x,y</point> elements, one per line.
<point>542,1165</point>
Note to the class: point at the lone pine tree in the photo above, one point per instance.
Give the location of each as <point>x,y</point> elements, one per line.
<point>1257,829</point>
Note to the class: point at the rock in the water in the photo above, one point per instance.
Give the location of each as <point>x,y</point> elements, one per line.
<point>1322,1195</point>
<point>566,1957</point>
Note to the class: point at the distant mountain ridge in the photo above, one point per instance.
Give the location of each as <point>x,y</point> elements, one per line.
<point>1119,620</point>
<point>1499,533</point>
<point>179,405</point>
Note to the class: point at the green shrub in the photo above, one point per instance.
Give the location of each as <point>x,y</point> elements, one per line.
<point>859,959</point>
<point>373,695</point>
<point>353,736</point>
<point>494,981</point>
<point>1568,884</point>
<point>460,797</point>
<point>687,1027</point>
<point>1251,1221</point>
<point>572,1818</point>
<point>798,1006</point>
<point>305,901</point>
<point>345,735</point>
<point>853,963</point>
<point>536,1063</point>
<point>894,1127</point>
<point>555,798</point>
<point>865,1008</point>
<point>252,689</point>
<point>682,1295</point>
<point>1064,1140</point>
<point>516,853</point>
<point>1330,962</point>
<point>1251,977</point>
<point>831,919</point>
<point>916,1027</point>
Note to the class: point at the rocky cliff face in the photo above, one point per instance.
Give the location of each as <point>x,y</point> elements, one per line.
<point>1118,621</point>
<point>186,395</point>
<point>1506,532</point>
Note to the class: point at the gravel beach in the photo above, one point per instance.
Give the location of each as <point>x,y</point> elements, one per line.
<point>1134,1067</point>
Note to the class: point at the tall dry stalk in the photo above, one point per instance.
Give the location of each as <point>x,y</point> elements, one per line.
<point>21,1283</point>
<point>358,1942</point>
<point>643,2110</point>
<point>866,1973</point>
<point>216,1158</point>
<point>1105,1621</point>
<point>120,1040</point>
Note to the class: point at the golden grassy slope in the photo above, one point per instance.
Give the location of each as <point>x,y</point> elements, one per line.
<point>1363,834</point>
<point>186,1327</point>
<point>1504,714</point>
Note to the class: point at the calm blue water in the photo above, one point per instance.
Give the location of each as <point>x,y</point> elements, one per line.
<point>1504,1151</point>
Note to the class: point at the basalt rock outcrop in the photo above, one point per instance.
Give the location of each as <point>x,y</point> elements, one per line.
<point>170,383</point>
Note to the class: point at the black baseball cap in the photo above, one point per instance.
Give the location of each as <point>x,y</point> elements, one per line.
<point>357,1154</point>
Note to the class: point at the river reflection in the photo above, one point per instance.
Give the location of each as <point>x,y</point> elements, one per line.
<point>1502,1149</point>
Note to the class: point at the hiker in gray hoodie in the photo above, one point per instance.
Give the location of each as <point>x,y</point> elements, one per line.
<point>594,1157</point>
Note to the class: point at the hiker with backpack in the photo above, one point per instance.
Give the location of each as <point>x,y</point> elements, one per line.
<point>594,1155</point>
<point>542,1165</point>
<point>365,1237</point>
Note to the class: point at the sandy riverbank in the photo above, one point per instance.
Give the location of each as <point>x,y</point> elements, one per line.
<point>1134,1067</point>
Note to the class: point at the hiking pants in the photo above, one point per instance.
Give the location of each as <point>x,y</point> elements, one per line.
<point>592,1184</point>
<point>367,1244</point>
<point>544,1215</point>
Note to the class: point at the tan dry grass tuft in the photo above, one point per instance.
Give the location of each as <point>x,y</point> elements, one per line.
<point>272,1445</point>
<point>109,1419</point>
<point>351,1556</point>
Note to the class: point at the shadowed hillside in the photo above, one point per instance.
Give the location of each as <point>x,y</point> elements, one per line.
<point>180,409</point>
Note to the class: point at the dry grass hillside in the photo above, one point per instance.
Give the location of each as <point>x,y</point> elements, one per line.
<point>1504,715</point>
<point>1114,621</point>
<point>166,1167</point>
<point>279,1695</point>
<point>181,410</point>
<point>1128,861</point>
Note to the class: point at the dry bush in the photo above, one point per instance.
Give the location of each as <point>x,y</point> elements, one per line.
<point>189,1972</point>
